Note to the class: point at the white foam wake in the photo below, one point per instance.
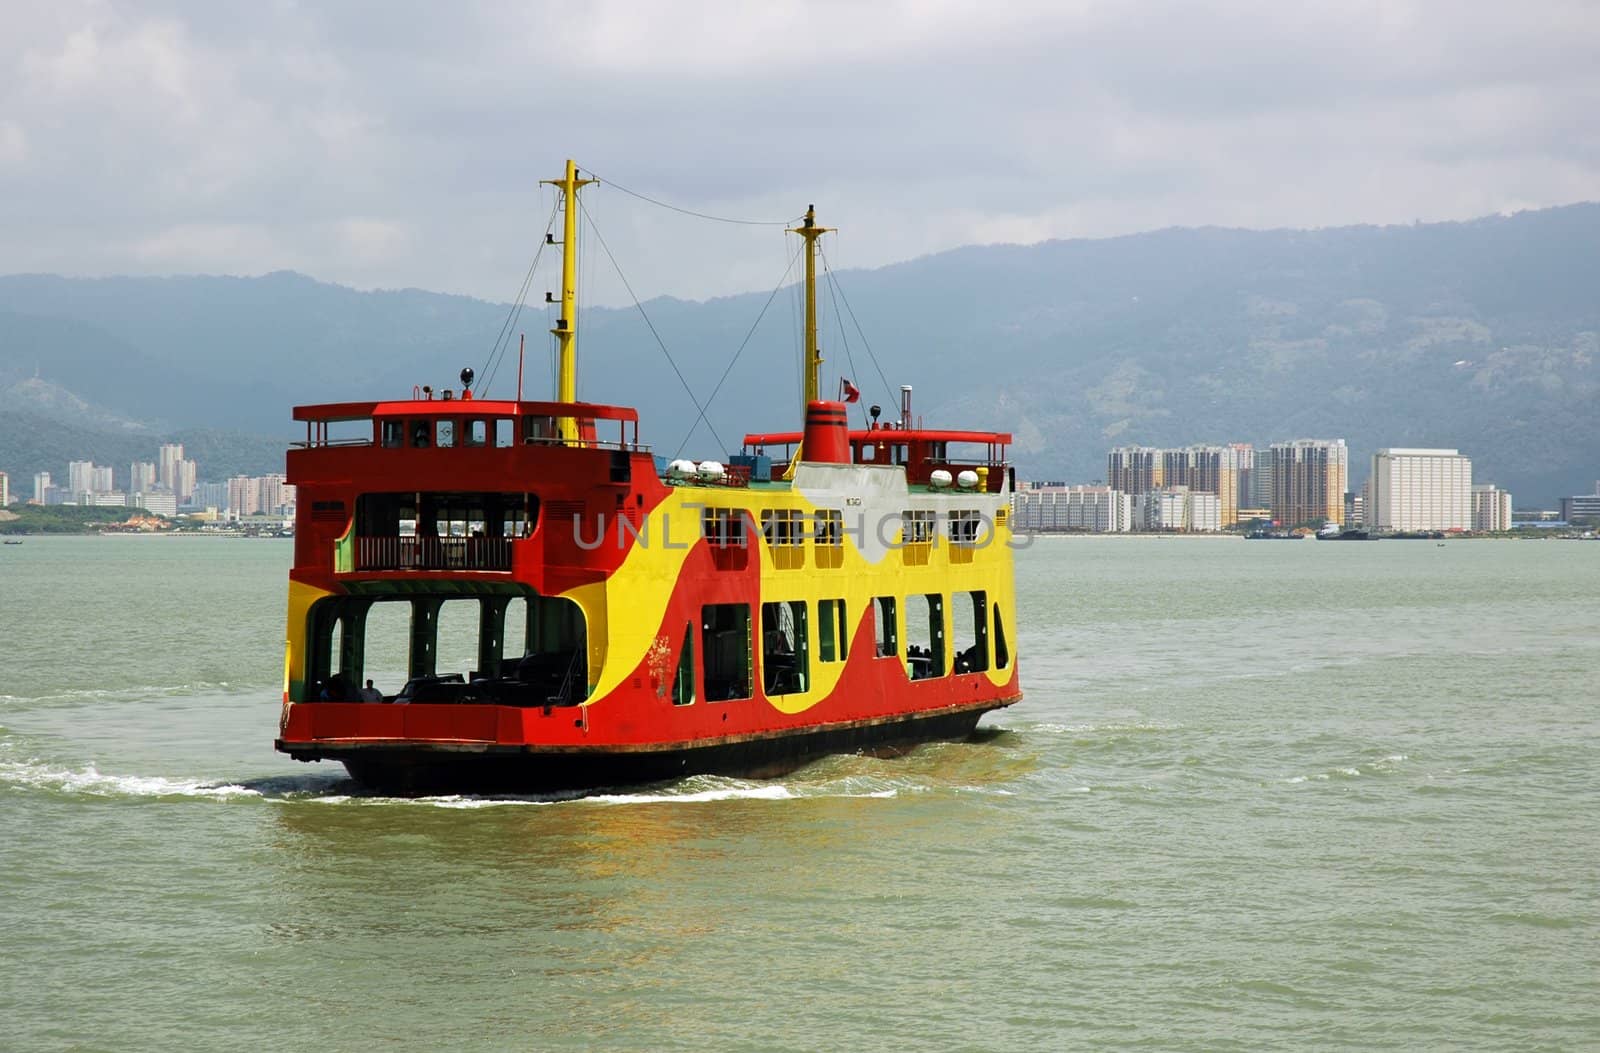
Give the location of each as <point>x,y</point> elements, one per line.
<point>90,780</point>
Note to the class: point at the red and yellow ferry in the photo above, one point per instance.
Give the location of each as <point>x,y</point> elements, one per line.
<point>829,590</point>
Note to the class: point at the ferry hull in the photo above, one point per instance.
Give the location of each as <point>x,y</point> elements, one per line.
<point>410,768</point>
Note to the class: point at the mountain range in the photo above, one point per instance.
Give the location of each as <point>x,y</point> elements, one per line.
<point>1481,335</point>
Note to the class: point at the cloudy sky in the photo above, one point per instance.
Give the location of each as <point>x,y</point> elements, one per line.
<point>401,144</point>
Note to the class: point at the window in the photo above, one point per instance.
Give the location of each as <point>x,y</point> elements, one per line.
<point>538,429</point>
<point>966,527</point>
<point>1002,655</point>
<point>916,534</point>
<point>683,679</point>
<point>888,632</point>
<point>393,433</point>
<point>832,631</point>
<point>916,526</point>
<point>830,538</point>
<point>723,526</point>
<point>725,646</point>
<point>970,636</point>
<point>503,433</point>
<point>781,527</point>
<point>785,649</point>
<point>477,433</point>
<point>925,636</point>
<point>421,434</point>
<point>446,433</point>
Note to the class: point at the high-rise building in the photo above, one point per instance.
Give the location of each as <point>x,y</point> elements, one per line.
<point>1134,469</point>
<point>1260,480</point>
<point>187,472</point>
<point>141,477</point>
<point>42,485</point>
<point>1491,508</point>
<point>211,495</point>
<point>1215,470</point>
<point>1308,481</point>
<point>80,478</point>
<point>1204,469</point>
<point>167,460</point>
<point>244,496</point>
<point>1244,459</point>
<point>273,493</point>
<point>1413,489</point>
<point>5,489</point>
<point>102,481</point>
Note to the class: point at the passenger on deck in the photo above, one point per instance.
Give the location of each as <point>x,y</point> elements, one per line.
<point>370,693</point>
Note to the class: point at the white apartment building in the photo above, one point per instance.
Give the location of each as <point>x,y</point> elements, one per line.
<point>1094,509</point>
<point>80,478</point>
<point>1178,508</point>
<point>156,502</point>
<point>1415,489</point>
<point>5,489</point>
<point>141,477</point>
<point>1491,508</point>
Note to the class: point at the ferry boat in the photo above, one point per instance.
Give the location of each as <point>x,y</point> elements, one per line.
<point>837,588</point>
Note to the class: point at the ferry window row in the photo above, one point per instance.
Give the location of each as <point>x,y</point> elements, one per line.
<point>787,529</point>
<point>727,642</point>
<point>421,433</point>
<point>533,650</point>
<point>424,432</point>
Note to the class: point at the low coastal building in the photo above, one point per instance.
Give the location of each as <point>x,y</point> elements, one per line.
<point>1060,509</point>
<point>1178,508</point>
<point>1581,506</point>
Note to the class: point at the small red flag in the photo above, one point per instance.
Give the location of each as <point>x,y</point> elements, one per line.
<point>851,392</point>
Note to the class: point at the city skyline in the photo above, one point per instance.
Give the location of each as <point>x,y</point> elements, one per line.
<point>165,487</point>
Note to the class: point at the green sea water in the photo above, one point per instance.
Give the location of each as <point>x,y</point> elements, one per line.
<point>1258,797</point>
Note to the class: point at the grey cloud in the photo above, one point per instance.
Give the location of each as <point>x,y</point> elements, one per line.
<point>388,145</point>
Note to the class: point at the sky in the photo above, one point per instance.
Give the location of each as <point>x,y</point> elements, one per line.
<point>401,144</point>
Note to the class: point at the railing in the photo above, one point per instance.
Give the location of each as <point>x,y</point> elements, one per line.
<point>433,553</point>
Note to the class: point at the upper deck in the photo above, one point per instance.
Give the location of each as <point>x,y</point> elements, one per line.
<point>920,451</point>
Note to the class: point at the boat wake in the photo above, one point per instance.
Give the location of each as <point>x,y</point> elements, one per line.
<point>981,767</point>
<point>90,781</point>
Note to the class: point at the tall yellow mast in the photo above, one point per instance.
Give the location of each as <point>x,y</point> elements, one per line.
<point>813,354</point>
<point>566,329</point>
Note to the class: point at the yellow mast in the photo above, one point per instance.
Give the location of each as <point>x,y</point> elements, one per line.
<point>566,329</point>
<point>813,354</point>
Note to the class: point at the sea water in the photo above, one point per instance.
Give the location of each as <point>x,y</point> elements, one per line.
<point>1258,796</point>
